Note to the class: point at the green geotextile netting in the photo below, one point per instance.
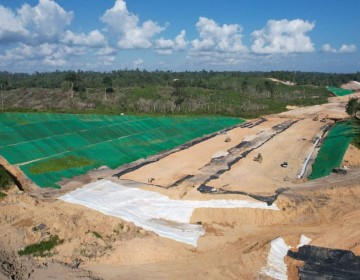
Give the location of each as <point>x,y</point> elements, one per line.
<point>333,149</point>
<point>339,91</point>
<point>49,147</point>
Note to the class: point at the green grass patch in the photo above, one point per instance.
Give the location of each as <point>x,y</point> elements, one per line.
<point>58,164</point>
<point>42,249</point>
<point>2,195</point>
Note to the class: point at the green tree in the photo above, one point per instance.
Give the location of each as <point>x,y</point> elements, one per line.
<point>244,86</point>
<point>3,85</point>
<point>178,85</point>
<point>270,87</point>
<point>353,107</point>
<point>71,77</point>
<point>107,81</point>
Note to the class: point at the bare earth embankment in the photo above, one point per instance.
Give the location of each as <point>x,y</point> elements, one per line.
<point>237,241</point>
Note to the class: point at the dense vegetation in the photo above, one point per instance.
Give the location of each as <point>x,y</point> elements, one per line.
<point>5,181</point>
<point>353,109</point>
<point>246,94</point>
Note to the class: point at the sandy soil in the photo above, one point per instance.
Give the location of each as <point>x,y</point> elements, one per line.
<point>191,160</point>
<point>237,241</point>
<point>351,85</point>
<point>292,146</point>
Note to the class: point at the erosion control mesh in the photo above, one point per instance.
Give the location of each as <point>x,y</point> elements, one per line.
<point>333,149</point>
<point>49,147</point>
<point>339,91</point>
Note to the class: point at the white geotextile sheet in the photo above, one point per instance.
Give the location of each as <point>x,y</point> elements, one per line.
<point>276,267</point>
<point>151,210</point>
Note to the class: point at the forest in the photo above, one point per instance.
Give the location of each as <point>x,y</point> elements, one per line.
<point>244,94</point>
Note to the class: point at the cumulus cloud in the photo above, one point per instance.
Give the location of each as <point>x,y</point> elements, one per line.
<point>126,27</point>
<point>217,44</point>
<point>348,48</point>
<point>283,36</point>
<point>47,54</point>
<point>343,49</point>
<point>138,62</point>
<point>216,38</point>
<point>46,21</point>
<point>328,48</point>
<point>167,46</point>
<point>93,39</point>
<point>40,34</point>
<point>11,27</point>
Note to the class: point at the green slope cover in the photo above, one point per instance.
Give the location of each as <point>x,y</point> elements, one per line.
<point>50,147</point>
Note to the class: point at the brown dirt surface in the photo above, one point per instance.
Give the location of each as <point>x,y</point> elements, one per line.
<point>351,157</point>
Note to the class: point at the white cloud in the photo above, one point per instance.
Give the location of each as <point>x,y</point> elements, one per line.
<point>283,36</point>
<point>45,54</point>
<point>216,38</point>
<point>217,44</point>
<point>126,26</point>
<point>328,48</point>
<point>138,62</point>
<point>11,28</point>
<point>167,46</point>
<point>343,49</point>
<point>46,22</point>
<point>105,51</point>
<point>94,39</point>
<point>348,48</point>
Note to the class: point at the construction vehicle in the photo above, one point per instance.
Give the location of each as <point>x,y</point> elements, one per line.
<point>338,170</point>
<point>324,118</point>
<point>316,118</point>
<point>284,164</point>
<point>258,158</point>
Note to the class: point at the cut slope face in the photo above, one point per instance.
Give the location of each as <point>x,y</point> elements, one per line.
<point>49,147</point>
<point>150,210</point>
<point>333,150</point>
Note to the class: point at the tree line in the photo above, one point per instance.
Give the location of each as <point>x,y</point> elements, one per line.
<point>129,78</point>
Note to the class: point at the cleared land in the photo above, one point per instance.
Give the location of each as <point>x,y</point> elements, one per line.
<point>236,243</point>
<point>289,137</point>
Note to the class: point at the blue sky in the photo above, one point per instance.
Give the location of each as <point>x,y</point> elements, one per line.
<point>244,35</point>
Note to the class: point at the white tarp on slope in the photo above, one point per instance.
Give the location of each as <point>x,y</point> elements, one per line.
<point>150,210</point>
<point>276,267</point>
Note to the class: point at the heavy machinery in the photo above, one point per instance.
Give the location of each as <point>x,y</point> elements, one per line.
<point>258,158</point>
<point>324,118</point>
<point>316,118</point>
